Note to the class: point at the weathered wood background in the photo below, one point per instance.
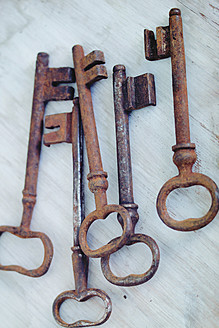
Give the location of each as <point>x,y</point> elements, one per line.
<point>184,291</point>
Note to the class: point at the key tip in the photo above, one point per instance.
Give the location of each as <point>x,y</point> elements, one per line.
<point>43,58</point>
<point>175,11</point>
<point>118,68</point>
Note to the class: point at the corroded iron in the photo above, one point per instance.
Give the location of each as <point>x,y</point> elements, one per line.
<point>169,43</point>
<point>45,89</point>
<point>89,69</point>
<point>130,94</point>
<point>70,130</point>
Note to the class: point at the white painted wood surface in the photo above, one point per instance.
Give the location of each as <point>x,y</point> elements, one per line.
<point>184,291</point>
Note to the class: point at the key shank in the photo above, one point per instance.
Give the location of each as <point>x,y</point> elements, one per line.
<point>43,92</point>
<point>126,197</point>
<point>97,177</point>
<point>179,82</point>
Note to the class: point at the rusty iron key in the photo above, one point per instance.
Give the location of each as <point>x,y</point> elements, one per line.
<point>169,43</point>
<point>70,130</point>
<point>45,89</point>
<point>130,94</point>
<point>89,69</point>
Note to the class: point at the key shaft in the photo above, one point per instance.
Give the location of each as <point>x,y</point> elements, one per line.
<point>179,82</point>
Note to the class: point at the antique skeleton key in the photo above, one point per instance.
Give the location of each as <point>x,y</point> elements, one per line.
<point>71,131</point>
<point>169,43</point>
<point>88,69</point>
<point>45,89</point>
<point>130,94</point>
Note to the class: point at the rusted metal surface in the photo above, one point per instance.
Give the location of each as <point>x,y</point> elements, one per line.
<point>45,89</point>
<point>89,69</point>
<point>160,48</point>
<point>130,94</point>
<point>171,44</point>
<point>70,130</point>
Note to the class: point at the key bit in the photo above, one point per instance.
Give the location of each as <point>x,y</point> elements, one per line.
<point>93,70</point>
<point>160,48</point>
<point>52,77</point>
<point>60,75</point>
<point>93,58</point>
<point>94,74</point>
<point>62,121</point>
<point>139,91</point>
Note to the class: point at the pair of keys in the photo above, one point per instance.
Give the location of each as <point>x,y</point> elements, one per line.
<point>129,94</point>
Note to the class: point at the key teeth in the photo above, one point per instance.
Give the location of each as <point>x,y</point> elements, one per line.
<point>95,74</point>
<point>61,75</point>
<point>163,42</point>
<point>150,45</point>
<point>58,93</point>
<point>43,59</point>
<point>70,75</point>
<point>68,93</point>
<point>61,121</point>
<point>151,90</point>
<point>50,122</point>
<point>54,91</point>
<point>95,57</point>
<point>139,92</point>
<point>160,48</point>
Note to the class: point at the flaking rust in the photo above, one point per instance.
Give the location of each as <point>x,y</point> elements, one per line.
<point>170,43</point>
<point>45,89</point>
